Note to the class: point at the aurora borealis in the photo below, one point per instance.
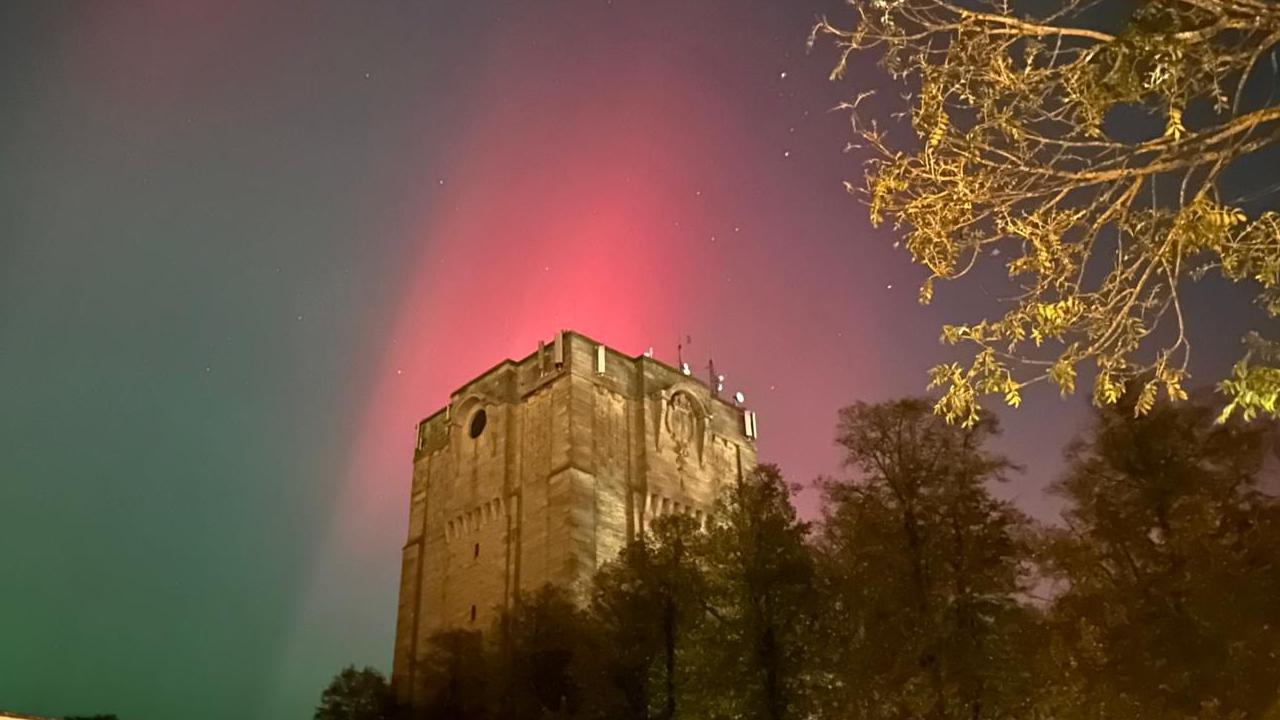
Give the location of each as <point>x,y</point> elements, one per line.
<point>244,247</point>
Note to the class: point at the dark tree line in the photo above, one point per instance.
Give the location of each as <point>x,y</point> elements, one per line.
<point>918,594</point>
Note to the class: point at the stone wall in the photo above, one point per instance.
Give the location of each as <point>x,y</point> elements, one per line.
<point>540,470</point>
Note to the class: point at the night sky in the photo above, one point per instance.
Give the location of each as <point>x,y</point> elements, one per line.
<point>244,248</point>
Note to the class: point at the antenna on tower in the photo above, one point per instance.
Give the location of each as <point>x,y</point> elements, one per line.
<point>716,381</point>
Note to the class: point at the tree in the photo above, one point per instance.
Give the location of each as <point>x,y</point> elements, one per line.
<point>356,695</point>
<point>456,677</point>
<point>626,607</point>
<point>540,639</point>
<point>648,605</point>
<point>923,570</point>
<point>762,608</point>
<point>1019,150</point>
<point>1170,566</point>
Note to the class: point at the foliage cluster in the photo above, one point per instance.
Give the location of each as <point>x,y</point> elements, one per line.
<point>1079,148</point>
<point>918,594</point>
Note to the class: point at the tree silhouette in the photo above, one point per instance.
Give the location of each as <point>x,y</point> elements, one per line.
<point>758,636</point>
<point>456,677</point>
<point>356,695</point>
<point>917,595</point>
<point>1171,567</point>
<point>923,569</point>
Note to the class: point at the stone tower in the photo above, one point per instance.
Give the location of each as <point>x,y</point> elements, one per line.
<point>542,469</point>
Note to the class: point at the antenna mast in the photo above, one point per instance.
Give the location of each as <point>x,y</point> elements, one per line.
<point>688,340</point>
<point>715,381</point>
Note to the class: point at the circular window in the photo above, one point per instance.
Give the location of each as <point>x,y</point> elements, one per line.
<point>478,422</point>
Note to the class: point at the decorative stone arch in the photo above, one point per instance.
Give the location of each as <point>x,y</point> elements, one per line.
<point>472,417</point>
<point>682,422</point>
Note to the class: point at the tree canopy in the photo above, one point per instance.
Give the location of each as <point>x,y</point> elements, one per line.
<point>356,695</point>
<point>1169,562</point>
<point>918,594</point>
<point>1081,149</point>
<point>926,568</point>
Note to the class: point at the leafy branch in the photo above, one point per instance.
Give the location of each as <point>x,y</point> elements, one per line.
<point>1013,154</point>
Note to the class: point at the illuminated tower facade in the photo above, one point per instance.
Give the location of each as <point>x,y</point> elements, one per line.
<point>540,470</point>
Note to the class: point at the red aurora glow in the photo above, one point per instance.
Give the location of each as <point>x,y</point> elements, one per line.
<point>555,219</point>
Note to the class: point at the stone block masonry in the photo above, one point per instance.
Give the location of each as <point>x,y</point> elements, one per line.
<point>540,470</point>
